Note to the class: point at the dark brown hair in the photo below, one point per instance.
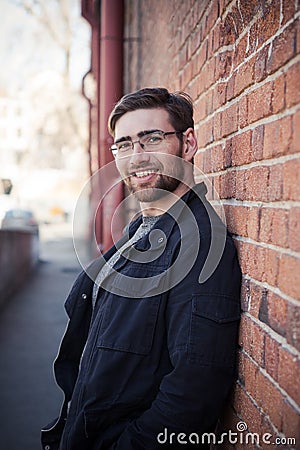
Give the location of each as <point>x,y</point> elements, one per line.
<point>179,105</point>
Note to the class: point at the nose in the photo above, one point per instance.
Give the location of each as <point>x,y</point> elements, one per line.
<point>139,147</point>
<point>138,153</point>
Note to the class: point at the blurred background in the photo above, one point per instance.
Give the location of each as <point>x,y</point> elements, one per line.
<point>45,52</point>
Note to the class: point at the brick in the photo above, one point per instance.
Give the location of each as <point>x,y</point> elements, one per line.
<point>252,43</point>
<point>280,223</point>
<point>269,399</point>
<point>295,142</point>
<point>291,421</point>
<point>219,95</point>
<point>263,314</point>
<point>257,262</point>
<point>240,185</point>
<point>293,329</point>
<point>288,372</point>
<point>256,180</point>
<point>236,219</point>
<point>243,112</point>
<point>209,74</point>
<point>245,295</point>
<point>298,39</point>
<point>257,142</point>
<point>278,94</point>
<point>243,77</point>
<point>288,10</point>
<point>277,137</point>
<point>248,10</point>
<point>212,15</point>
<point>240,51</point>
<point>260,64</point>
<point>216,158</point>
<point>217,126</point>
<point>202,56</point>
<point>241,367</point>
<point>265,227</point>
<point>246,409</point>
<point>289,276</point>
<point>227,185</point>
<point>259,102</point>
<point>272,357</point>
<point>274,226</point>
<point>258,297</point>
<point>250,376</point>
<point>251,339</point>
<point>199,109</point>
<point>292,79</point>
<point>271,267</point>
<point>227,34</point>
<point>209,103</point>
<point>230,87</point>
<point>199,160</point>
<point>223,64</point>
<point>241,149</point>
<point>229,120</point>
<point>294,229</point>
<point>291,177</point>
<point>252,223</point>
<point>283,49</point>
<point>268,23</point>
<point>275,183</point>
<point>277,313</point>
<point>207,161</point>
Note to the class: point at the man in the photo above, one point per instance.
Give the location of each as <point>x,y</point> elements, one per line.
<point>148,358</point>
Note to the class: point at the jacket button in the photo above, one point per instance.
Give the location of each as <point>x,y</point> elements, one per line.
<point>160,240</point>
<point>84,296</point>
<point>47,447</point>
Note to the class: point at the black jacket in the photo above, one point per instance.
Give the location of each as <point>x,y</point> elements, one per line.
<point>157,354</point>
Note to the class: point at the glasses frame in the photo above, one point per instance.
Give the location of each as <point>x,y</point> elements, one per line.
<point>116,153</point>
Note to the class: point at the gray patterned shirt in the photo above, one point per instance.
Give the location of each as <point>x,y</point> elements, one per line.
<point>145,227</point>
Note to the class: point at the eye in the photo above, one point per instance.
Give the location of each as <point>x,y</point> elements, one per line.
<point>153,139</point>
<point>124,146</point>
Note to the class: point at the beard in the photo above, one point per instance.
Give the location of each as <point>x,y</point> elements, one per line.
<point>163,183</point>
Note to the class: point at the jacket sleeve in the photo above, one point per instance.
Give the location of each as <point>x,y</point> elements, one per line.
<point>202,330</point>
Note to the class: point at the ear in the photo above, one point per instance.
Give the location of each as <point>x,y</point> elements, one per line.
<point>190,145</point>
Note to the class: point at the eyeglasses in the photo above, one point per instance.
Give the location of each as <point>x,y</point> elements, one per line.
<point>149,142</point>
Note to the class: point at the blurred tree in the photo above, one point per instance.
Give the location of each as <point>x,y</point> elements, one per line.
<point>57,19</point>
<point>58,108</point>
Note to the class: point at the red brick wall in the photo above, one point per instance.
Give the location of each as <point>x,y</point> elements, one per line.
<point>240,62</point>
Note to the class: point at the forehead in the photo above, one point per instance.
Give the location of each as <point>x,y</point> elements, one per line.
<point>133,122</point>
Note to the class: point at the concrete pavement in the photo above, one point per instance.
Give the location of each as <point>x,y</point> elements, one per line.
<point>31,327</point>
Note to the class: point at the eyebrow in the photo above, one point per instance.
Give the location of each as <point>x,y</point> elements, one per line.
<point>139,135</point>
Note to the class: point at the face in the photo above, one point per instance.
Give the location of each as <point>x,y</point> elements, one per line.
<point>149,175</point>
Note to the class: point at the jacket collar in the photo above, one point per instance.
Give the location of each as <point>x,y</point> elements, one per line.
<point>168,220</point>
<point>164,227</point>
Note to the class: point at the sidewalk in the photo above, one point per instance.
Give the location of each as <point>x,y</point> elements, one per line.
<point>31,327</point>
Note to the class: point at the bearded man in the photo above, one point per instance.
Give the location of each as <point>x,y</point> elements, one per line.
<point>148,357</point>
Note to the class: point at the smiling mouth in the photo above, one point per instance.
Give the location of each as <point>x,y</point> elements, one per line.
<point>143,173</point>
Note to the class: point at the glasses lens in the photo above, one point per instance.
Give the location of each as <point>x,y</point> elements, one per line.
<point>152,139</point>
<point>121,147</point>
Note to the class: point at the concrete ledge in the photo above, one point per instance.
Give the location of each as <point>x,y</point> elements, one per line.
<point>19,253</point>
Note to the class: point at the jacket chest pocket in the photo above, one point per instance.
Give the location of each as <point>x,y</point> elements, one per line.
<point>128,322</point>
